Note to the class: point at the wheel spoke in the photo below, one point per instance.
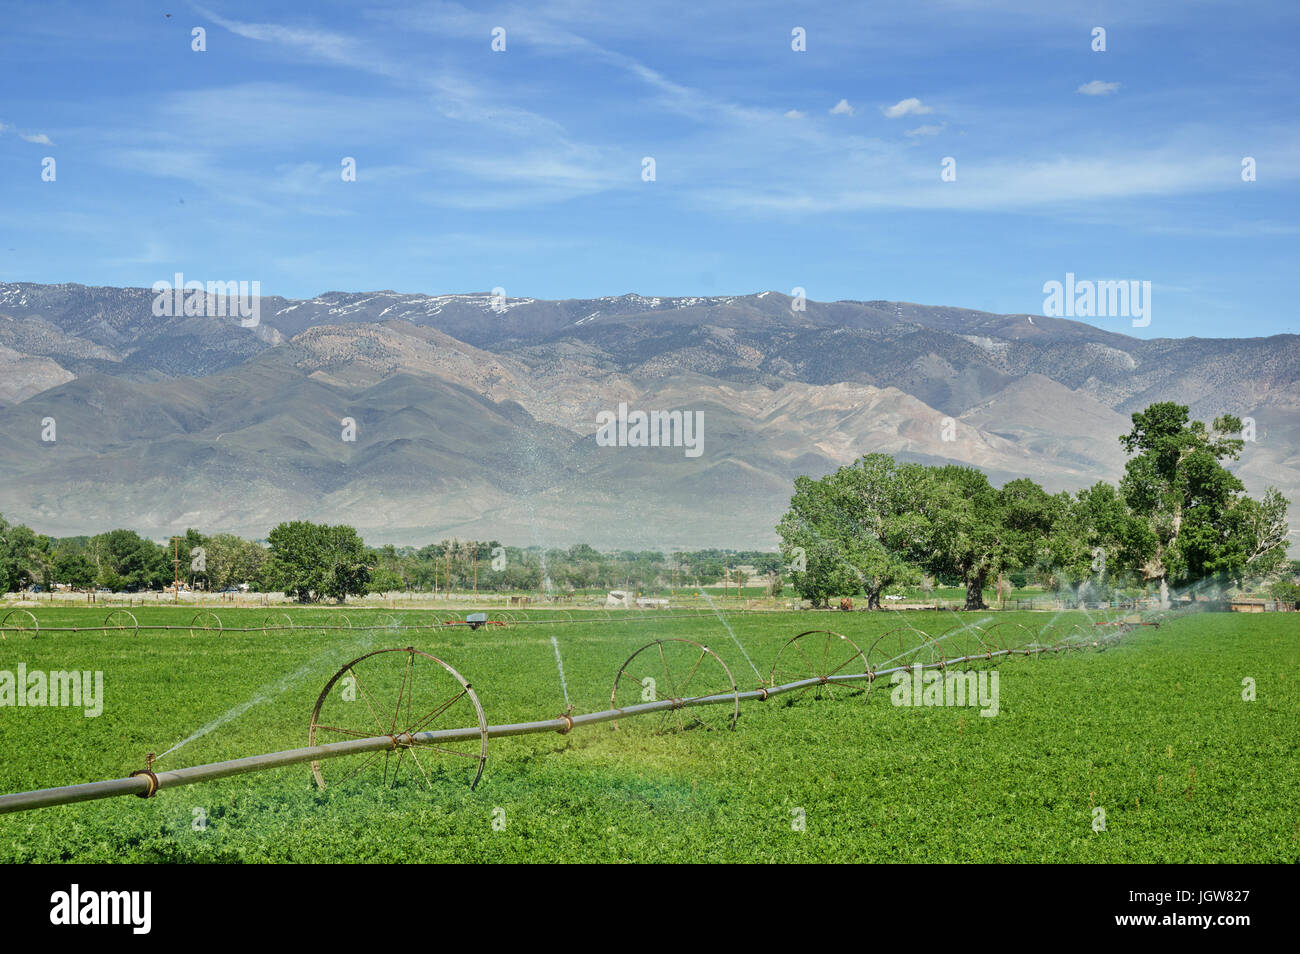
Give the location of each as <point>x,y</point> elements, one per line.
<point>406,673</point>
<point>694,668</point>
<point>447,751</point>
<point>366,696</point>
<point>667,677</point>
<point>419,726</point>
<point>351,732</point>
<point>845,663</point>
<point>365,762</point>
<point>414,758</point>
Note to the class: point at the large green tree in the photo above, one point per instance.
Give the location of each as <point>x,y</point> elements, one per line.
<point>1094,542</point>
<point>853,530</point>
<point>124,560</point>
<point>1198,524</point>
<point>232,561</point>
<point>311,562</point>
<point>26,557</point>
<point>966,536</point>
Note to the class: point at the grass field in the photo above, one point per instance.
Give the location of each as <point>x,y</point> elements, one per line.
<point>1155,731</point>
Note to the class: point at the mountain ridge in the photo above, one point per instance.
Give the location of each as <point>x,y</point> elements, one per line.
<point>477,416</point>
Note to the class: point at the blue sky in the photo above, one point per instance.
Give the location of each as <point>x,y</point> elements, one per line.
<point>523,169</point>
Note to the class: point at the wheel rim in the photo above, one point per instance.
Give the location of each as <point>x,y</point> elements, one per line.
<point>399,693</point>
<point>205,623</point>
<point>276,621</point>
<point>18,624</point>
<point>122,620</point>
<point>680,669</point>
<point>819,654</point>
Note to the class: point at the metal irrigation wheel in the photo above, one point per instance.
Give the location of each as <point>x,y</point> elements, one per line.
<point>820,654</point>
<point>900,647</point>
<point>1079,639</point>
<point>205,623</point>
<point>122,620</point>
<point>678,669</point>
<point>400,693</point>
<point>276,621</point>
<point>963,644</point>
<point>1007,635</point>
<point>18,624</point>
<point>347,623</point>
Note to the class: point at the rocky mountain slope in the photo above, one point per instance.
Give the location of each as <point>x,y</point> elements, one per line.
<point>476,416</point>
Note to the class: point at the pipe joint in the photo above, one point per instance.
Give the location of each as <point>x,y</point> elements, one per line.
<point>151,778</point>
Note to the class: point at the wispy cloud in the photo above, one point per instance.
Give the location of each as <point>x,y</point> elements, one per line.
<point>1097,88</point>
<point>38,138</point>
<point>842,108</point>
<point>1048,186</point>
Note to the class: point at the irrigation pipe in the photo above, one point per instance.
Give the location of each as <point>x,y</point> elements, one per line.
<point>147,783</point>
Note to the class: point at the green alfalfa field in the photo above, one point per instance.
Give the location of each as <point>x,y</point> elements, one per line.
<point>1155,731</point>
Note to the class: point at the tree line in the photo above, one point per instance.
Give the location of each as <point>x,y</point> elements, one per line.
<point>1177,517</point>
<point>313,562</point>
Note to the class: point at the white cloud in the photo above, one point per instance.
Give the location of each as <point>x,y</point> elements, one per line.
<point>924,131</point>
<point>905,106</point>
<point>842,108</point>
<point>1097,88</point>
<point>790,114</point>
<point>884,179</point>
<point>331,46</point>
<point>38,138</point>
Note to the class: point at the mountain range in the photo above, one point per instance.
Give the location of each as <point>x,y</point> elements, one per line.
<point>476,416</point>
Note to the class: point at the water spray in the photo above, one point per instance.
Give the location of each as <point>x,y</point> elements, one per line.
<point>390,704</point>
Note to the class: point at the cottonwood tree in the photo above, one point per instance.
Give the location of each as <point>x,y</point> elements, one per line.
<point>311,562</point>
<point>965,534</point>
<point>25,556</point>
<point>1198,522</point>
<point>856,527</point>
<point>232,560</point>
<point>1096,541</point>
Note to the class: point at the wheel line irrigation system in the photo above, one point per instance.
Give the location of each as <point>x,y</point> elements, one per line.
<point>979,646</point>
